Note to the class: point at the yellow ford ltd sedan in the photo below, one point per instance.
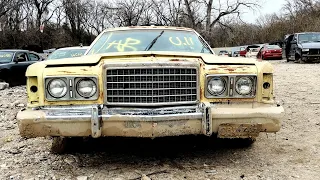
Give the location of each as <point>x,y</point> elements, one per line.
<point>149,81</point>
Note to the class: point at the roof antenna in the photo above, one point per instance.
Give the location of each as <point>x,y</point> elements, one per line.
<point>80,44</point>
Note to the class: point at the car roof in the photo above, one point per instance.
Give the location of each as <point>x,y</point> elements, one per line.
<point>308,33</point>
<point>149,27</point>
<point>15,50</point>
<point>74,47</point>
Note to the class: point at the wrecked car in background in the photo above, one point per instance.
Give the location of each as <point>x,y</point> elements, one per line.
<point>303,47</point>
<point>149,82</point>
<point>245,49</point>
<point>14,64</point>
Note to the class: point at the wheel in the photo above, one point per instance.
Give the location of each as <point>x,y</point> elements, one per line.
<point>298,59</point>
<point>59,145</point>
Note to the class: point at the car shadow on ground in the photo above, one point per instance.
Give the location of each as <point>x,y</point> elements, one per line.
<point>163,147</point>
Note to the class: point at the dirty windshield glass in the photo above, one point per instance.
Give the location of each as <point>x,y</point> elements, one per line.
<point>312,37</point>
<point>5,56</point>
<point>66,53</point>
<point>149,40</point>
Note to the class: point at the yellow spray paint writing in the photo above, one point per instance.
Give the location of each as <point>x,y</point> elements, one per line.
<point>128,44</point>
<point>178,41</point>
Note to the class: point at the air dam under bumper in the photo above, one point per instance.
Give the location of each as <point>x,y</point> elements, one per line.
<point>99,121</point>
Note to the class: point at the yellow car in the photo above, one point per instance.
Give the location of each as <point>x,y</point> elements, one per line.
<point>149,81</point>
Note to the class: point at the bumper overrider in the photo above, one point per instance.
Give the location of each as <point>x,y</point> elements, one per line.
<point>227,121</point>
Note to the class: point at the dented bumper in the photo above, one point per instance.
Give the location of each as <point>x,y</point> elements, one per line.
<point>228,121</point>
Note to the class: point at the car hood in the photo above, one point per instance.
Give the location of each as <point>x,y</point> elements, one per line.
<point>95,59</point>
<point>313,45</point>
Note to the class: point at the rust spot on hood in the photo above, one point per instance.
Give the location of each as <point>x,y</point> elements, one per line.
<point>67,72</point>
<point>230,69</point>
<point>177,60</point>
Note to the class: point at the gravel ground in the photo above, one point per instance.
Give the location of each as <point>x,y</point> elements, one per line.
<point>292,153</point>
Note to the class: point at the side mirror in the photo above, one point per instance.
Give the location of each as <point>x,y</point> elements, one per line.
<point>16,60</point>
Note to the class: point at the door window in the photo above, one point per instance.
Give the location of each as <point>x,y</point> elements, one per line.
<point>22,57</point>
<point>34,57</point>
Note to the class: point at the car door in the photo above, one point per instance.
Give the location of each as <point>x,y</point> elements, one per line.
<point>21,63</point>
<point>293,47</point>
<point>260,52</point>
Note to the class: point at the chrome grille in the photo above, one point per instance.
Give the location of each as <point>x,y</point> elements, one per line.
<point>151,86</point>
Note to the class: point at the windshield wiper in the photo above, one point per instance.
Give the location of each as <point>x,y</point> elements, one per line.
<point>153,41</point>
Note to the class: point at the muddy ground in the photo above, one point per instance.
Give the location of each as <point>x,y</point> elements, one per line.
<point>292,153</point>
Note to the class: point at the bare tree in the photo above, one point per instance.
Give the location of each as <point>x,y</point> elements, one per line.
<point>42,7</point>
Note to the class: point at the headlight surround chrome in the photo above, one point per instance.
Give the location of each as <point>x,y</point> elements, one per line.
<point>75,90</point>
<point>247,89</point>
<point>216,86</point>
<point>244,85</point>
<point>86,88</point>
<point>57,88</point>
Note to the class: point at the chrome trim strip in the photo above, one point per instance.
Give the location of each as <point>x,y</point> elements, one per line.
<point>87,113</point>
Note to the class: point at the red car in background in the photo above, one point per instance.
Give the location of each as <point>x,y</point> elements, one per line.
<point>270,52</point>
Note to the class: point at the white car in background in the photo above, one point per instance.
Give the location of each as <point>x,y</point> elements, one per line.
<point>252,52</point>
<point>68,52</point>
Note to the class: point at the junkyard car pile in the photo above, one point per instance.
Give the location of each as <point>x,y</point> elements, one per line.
<point>149,82</point>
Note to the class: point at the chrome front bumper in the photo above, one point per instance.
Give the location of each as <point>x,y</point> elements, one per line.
<point>97,120</point>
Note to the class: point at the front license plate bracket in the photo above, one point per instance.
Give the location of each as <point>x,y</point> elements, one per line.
<point>239,130</point>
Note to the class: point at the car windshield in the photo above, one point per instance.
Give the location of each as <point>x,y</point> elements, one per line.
<point>66,53</point>
<point>273,47</point>
<point>149,40</point>
<point>254,50</point>
<point>312,37</point>
<point>5,56</point>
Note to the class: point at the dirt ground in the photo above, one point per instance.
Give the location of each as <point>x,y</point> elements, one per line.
<point>292,153</point>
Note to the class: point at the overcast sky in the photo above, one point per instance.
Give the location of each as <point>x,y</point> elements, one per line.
<point>267,7</point>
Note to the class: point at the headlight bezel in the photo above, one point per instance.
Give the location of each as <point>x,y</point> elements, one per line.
<point>230,91</point>
<point>71,82</point>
